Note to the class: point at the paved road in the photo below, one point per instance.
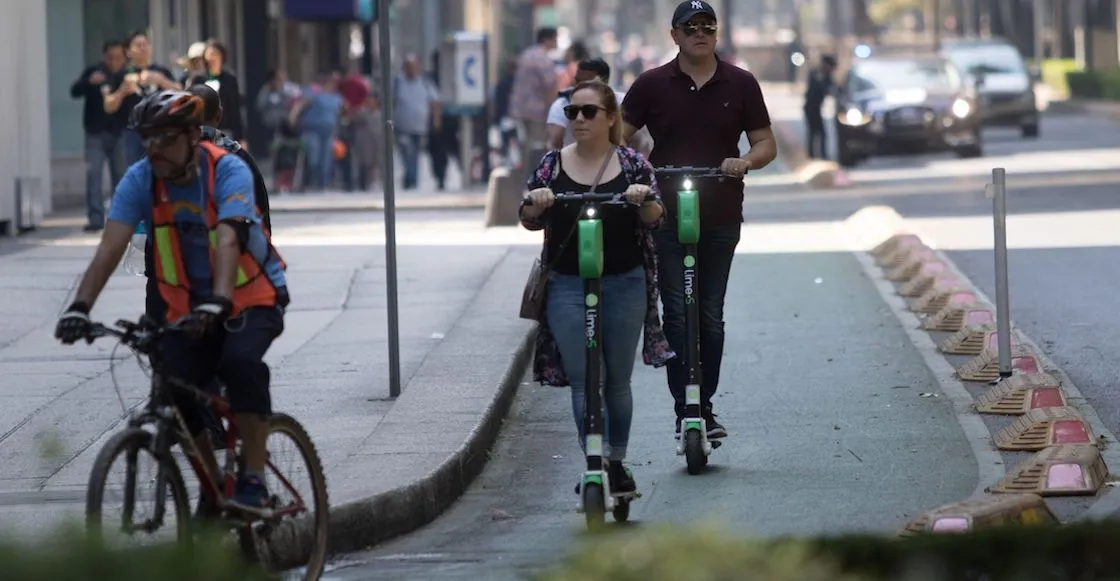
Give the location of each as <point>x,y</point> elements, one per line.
<point>827,433</point>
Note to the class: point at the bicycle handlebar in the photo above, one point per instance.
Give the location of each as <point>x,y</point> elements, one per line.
<point>137,335</point>
<point>592,197</point>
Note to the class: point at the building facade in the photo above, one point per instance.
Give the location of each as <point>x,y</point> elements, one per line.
<point>25,172</point>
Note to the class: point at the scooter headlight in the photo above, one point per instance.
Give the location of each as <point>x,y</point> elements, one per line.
<point>686,184</point>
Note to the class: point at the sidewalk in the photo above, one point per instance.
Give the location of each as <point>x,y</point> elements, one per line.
<point>457,283</point>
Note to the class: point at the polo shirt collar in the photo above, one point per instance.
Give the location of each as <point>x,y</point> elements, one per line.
<point>720,74</point>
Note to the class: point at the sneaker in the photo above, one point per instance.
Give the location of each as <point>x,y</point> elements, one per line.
<point>622,479</point>
<point>677,428</point>
<point>715,429</point>
<point>251,492</point>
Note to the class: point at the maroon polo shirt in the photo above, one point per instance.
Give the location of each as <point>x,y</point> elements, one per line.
<point>698,127</point>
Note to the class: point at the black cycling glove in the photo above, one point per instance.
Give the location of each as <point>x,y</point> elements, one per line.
<point>209,314</point>
<point>74,324</point>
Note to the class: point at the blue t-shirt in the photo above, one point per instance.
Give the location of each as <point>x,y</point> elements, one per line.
<point>322,111</point>
<point>233,191</point>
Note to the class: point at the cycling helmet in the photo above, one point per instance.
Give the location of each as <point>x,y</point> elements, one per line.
<point>166,109</point>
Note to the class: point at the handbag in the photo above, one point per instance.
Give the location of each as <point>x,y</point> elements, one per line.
<point>536,287</point>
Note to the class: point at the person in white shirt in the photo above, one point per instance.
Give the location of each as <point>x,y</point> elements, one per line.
<point>556,129</point>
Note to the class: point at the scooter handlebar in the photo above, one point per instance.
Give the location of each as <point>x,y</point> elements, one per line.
<point>592,197</point>
<point>691,171</point>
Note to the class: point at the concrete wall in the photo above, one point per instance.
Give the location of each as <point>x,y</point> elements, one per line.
<point>25,118</point>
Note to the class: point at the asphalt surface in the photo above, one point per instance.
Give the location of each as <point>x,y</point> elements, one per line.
<point>828,433</point>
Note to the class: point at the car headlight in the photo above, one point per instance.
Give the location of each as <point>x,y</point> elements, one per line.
<point>854,117</point>
<point>961,108</point>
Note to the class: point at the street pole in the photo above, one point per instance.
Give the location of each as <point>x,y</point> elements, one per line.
<point>385,48</point>
<point>1003,306</point>
<point>726,28</point>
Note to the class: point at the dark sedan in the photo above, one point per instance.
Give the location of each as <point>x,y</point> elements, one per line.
<point>906,105</point>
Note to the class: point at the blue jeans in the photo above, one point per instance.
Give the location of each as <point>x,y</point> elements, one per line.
<point>101,148</point>
<point>319,149</point>
<point>409,146</point>
<point>715,253</point>
<point>623,314</point>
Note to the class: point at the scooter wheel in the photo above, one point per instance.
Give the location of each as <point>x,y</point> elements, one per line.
<point>621,510</point>
<point>694,452</point>
<point>594,506</point>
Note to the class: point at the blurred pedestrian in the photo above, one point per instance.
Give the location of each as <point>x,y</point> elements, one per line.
<point>820,86</point>
<point>103,130</point>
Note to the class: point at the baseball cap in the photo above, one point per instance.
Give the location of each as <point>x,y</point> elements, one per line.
<point>689,8</point>
<point>196,51</point>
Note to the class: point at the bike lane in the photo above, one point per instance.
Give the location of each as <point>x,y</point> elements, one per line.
<point>836,424</point>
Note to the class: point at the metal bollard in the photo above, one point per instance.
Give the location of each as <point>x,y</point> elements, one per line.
<point>998,193</point>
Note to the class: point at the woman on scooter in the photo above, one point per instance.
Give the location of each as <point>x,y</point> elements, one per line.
<point>629,279</point>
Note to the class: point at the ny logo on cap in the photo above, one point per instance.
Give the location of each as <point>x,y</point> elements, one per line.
<point>697,5</point>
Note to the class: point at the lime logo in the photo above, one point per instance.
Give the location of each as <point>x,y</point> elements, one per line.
<point>591,300</point>
<point>689,262</point>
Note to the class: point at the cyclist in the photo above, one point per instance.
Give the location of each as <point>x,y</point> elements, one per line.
<point>696,108</point>
<point>215,268</point>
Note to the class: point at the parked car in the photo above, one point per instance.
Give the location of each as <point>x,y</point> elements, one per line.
<point>1003,80</point>
<point>889,105</point>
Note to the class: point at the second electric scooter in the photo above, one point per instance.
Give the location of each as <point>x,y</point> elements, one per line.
<point>596,498</point>
<point>694,444</point>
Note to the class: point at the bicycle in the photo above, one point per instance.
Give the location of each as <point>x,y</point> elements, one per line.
<point>251,525</point>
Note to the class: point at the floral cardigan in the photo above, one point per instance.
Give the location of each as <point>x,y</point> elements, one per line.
<point>548,369</point>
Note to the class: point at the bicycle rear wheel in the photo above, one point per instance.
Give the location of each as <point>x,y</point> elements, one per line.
<point>300,538</point>
<point>130,445</point>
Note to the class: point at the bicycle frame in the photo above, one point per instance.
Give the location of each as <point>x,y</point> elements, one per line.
<point>162,412</point>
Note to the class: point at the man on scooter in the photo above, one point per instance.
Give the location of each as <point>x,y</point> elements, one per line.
<point>696,108</point>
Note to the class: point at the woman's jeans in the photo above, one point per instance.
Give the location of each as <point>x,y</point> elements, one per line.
<point>623,309</point>
<point>318,146</point>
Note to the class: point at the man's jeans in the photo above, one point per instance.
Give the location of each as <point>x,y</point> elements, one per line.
<point>715,252</point>
<point>319,158</point>
<point>101,148</point>
<point>409,146</point>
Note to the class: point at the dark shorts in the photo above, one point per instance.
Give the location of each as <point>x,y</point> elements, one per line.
<point>234,355</point>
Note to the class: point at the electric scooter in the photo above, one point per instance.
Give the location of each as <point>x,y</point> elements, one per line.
<point>693,443</point>
<point>596,500</point>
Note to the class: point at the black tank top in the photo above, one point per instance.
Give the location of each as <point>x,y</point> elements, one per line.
<point>622,248</point>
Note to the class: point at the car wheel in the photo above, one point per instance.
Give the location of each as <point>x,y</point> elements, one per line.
<point>1030,130</point>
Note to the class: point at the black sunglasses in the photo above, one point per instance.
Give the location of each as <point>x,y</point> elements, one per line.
<point>160,140</point>
<point>691,29</point>
<point>589,111</point>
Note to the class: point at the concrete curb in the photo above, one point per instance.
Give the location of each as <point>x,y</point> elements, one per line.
<point>360,524</point>
<point>1108,109</point>
<point>872,225</point>
<point>815,173</point>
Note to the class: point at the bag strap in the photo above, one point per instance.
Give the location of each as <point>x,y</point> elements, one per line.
<point>594,184</point>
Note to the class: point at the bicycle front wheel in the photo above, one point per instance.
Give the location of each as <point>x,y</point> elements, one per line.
<point>161,488</point>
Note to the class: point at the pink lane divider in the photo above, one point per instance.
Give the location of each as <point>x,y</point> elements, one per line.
<point>974,318</point>
<point>841,179</point>
<point>932,268</point>
<point>1028,364</point>
<point>993,341</point>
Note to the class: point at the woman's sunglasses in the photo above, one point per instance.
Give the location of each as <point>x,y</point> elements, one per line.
<point>589,111</point>
<point>691,29</point>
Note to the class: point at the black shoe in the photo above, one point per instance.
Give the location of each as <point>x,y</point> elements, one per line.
<point>622,480</point>
<point>677,429</point>
<point>715,429</point>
